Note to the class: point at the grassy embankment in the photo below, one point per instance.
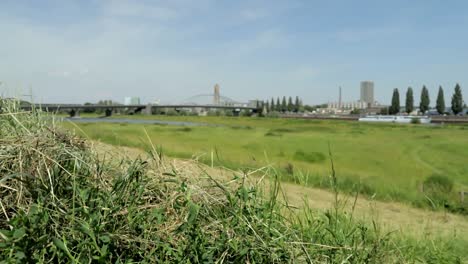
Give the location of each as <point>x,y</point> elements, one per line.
<point>386,161</point>
<point>63,203</point>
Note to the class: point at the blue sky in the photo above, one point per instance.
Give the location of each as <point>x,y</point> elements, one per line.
<point>74,51</point>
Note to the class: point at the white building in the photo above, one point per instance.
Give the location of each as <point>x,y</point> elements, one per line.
<point>131,100</point>
<point>347,105</point>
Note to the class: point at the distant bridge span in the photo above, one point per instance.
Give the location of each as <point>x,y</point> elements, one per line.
<point>75,108</point>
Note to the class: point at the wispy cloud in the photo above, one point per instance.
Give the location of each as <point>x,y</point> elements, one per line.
<point>304,72</point>
<point>138,9</point>
<point>173,48</point>
<point>366,34</point>
<point>253,14</point>
<point>262,41</point>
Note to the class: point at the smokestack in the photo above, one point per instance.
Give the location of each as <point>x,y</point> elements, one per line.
<point>339,98</point>
<point>216,96</point>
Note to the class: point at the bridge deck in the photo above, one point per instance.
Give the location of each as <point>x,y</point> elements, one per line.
<point>78,106</point>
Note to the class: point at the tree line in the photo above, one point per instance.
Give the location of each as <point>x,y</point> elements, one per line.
<point>424,105</point>
<point>283,105</point>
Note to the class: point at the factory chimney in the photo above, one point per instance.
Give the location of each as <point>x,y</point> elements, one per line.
<point>216,95</point>
<point>339,99</point>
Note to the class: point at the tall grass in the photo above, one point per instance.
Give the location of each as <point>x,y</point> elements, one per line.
<point>62,202</point>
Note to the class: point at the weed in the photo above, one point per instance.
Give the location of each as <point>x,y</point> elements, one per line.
<point>185,129</point>
<point>312,157</point>
<point>273,134</point>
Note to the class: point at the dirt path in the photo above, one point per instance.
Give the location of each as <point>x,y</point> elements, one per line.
<point>391,215</point>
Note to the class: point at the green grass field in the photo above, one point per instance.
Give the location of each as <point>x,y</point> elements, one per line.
<point>388,161</point>
<point>62,201</point>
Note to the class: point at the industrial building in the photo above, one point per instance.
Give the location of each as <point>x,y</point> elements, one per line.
<point>367,93</point>
<point>366,101</point>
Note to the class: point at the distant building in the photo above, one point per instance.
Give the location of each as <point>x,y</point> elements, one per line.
<point>216,95</point>
<point>347,105</point>
<point>367,92</point>
<point>131,100</point>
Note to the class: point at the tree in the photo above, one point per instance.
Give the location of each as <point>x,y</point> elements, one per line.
<point>267,105</point>
<point>278,105</point>
<point>309,108</point>
<point>409,100</point>
<point>425,101</point>
<point>297,104</point>
<point>395,107</point>
<point>89,110</point>
<point>440,104</point>
<point>272,105</point>
<point>457,100</point>
<point>384,111</point>
<point>290,104</point>
<point>284,106</point>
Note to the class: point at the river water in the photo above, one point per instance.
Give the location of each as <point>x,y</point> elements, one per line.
<point>134,121</point>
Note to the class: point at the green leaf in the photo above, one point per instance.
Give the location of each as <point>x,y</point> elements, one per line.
<point>105,239</point>
<point>59,244</point>
<point>193,212</point>
<point>20,255</point>
<point>84,227</point>
<point>104,250</point>
<point>19,233</point>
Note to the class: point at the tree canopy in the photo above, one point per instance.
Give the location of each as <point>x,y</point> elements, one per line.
<point>395,106</point>
<point>409,100</point>
<point>425,100</point>
<point>440,103</point>
<point>457,100</point>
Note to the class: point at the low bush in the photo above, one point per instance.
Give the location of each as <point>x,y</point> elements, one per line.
<point>311,157</point>
<point>438,183</point>
<point>415,120</point>
<point>272,114</point>
<point>438,192</point>
<point>185,129</point>
<point>273,134</point>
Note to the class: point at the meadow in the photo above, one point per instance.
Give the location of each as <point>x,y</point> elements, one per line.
<point>383,161</point>
<point>65,199</point>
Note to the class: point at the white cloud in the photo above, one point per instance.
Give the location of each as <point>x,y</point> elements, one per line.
<point>253,14</point>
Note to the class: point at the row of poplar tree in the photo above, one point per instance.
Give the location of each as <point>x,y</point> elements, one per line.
<point>283,105</point>
<point>457,101</point>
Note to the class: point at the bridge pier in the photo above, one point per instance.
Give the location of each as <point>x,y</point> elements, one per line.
<point>148,110</point>
<point>108,112</point>
<point>236,112</point>
<point>74,113</point>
